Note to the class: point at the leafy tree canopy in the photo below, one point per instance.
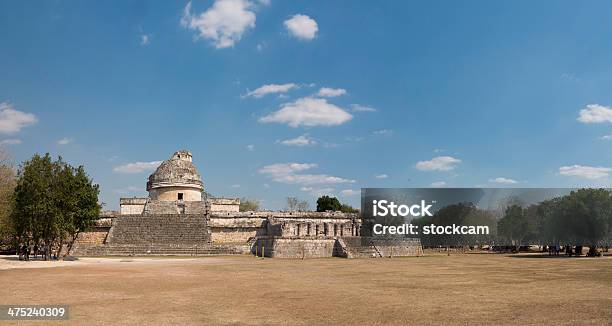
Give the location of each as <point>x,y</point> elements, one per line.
<point>53,201</point>
<point>326,203</point>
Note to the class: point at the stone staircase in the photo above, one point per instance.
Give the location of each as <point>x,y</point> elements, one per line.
<point>159,229</point>
<point>397,246</point>
<point>157,235</point>
<point>357,247</point>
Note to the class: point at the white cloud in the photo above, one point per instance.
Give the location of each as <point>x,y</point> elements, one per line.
<point>288,173</point>
<point>223,23</point>
<point>503,180</point>
<point>302,27</point>
<point>595,113</point>
<point>309,111</point>
<point>318,192</point>
<point>331,92</point>
<point>440,163</point>
<point>588,172</point>
<point>137,167</point>
<point>271,89</point>
<point>438,184</point>
<point>6,142</point>
<point>12,121</point>
<point>310,179</point>
<point>383,132</point>
<point>350,192</point>
<point>235,186</point>
<point>606,137</point>
<point>299,141</point>
<point>381,176</point>
<point>362,108</point>
<point>65,141</point>
<point>250,147</point>
<point>286,168</point>
<point>144,39</point>
<point>569,77</point>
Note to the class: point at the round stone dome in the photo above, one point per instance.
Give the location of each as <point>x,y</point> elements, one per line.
<point>176,179</point>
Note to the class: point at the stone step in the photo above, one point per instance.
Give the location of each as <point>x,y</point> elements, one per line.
<point>356,248</point>
<point>162,229</point>
<point>142,250</point>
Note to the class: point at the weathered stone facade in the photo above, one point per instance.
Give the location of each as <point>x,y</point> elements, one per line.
<point>132,206</point>
<point>175,220</point>
<point>224,204</point>
<point>176,179</point>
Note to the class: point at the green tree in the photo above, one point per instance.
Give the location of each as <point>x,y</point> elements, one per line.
<point>247,205</point>
<point>7,185</point>
<point>326,203</point>
<point>346,208</point>
<point>53,202</point>
<point>463,214</point>
<point>582,217</point>
<point>514,226</point>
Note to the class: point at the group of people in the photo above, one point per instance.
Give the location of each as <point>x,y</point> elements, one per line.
<point>25,250</point>
<point>554,250</point>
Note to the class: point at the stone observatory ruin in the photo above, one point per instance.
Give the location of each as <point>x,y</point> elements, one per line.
<point>178,219</point>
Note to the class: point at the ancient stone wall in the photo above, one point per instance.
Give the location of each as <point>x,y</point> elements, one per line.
<point>175,208</point>
<point>97,236</point>
<point>132,206</point>
<point>286,247</point>
<point>232,235</point>
<point>232,227</point>
<point>172,193</point>
<point>224,204</point>
<point>313,227</point>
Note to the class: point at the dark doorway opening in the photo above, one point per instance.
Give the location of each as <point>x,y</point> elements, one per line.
<point>180,196</point>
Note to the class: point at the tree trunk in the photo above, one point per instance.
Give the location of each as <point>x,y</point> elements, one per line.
<point>48,249</point>
<point>59,251</point>
<point>71,244</point>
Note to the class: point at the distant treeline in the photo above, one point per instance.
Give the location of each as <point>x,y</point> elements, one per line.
<point>583,217</point>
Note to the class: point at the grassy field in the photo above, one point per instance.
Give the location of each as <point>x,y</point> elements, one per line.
<point>436,289</point>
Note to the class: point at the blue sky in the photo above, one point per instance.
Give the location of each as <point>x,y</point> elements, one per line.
<point>299,98</point>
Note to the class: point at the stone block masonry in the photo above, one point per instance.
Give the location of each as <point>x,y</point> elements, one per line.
<point>295,247</point>
<point>159,229</point>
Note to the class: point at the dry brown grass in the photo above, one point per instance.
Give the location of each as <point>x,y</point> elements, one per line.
<point>460,289</point>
